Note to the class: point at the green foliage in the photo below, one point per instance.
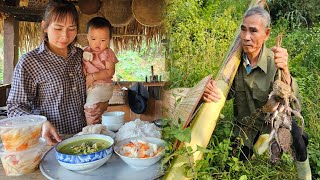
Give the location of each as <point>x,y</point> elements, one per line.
<point>135,66</point>
<point>199,36</point>
<point>297,12</point>
<point>174,132</point>
<point>196,49</point>
<point>303,46</point>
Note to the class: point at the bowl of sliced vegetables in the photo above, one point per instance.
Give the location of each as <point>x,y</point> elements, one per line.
<point>84,152</point>
<point>22,162</point>
<point>140,152</point>
<point>21,133</point>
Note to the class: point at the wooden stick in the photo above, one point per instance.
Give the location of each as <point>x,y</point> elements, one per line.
<point>279,40</point>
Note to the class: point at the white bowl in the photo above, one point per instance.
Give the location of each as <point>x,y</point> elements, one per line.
<point>85,162</point>
<point>140,163</point>
<point>85,167</point>
<point>113,127</point>
<point>115,117</point>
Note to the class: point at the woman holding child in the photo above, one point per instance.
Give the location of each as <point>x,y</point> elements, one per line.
<point>49,80</point>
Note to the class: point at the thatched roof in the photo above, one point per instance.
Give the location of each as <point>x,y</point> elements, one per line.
<point>129,36</point>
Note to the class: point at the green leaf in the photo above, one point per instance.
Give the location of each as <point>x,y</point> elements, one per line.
<point>183,135</point>
<point>243,177</point>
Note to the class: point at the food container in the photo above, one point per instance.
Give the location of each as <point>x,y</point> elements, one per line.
<point>84,162</point>
<point>23,162</point>
<point>21,133</point>
<point>113,120</point>
<point>140,163</point>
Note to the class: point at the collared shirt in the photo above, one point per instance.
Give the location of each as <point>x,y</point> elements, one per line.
<point>246,62</point>
<point>250,92</point>
<point>48,84</point>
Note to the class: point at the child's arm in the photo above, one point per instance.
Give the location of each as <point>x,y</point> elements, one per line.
<point>106,73</point>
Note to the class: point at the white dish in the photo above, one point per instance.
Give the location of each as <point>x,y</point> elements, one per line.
<point>114,169</point>
<point>85,167</point>
<point>140,163</point>
<point>113,127</point>
<point>114,117</point>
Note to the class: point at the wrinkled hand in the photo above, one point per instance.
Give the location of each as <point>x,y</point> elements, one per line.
<point>281,61</point>
<point>93,114</point>
<point>211,93</point>
<point>49,133</point>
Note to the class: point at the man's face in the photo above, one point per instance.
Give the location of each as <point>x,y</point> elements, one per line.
<point>253,34</point>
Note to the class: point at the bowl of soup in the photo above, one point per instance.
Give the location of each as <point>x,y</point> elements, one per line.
<point>84,152</point>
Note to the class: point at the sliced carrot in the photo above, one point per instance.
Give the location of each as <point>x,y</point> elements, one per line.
<point>142,152</point>
<point>130,145</point>
<point>36,133</point>
<point>23,147</point>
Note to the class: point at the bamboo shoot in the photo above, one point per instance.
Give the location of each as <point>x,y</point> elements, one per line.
<point>206,119</point>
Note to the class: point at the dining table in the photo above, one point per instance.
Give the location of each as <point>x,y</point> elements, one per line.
<point>149,173</point>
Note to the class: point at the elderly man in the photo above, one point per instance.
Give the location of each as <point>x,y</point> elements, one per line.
<point>253,83</point>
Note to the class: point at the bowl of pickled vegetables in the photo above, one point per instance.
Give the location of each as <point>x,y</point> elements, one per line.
<point>84,152</point>
<point>140,152</point>
<point>21,133</point>
<point>16,163</point>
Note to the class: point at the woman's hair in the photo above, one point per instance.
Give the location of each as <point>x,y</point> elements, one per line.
<point>100,22</point>
<point>261,12</point>
<point>57,11</point>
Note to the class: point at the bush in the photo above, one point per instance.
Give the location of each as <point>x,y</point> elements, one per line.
<point>199,35</point>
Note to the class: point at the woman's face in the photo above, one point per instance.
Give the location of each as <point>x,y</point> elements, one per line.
<point>61,34</point>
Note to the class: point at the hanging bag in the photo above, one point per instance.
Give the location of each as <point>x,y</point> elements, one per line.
<point>119,95</point>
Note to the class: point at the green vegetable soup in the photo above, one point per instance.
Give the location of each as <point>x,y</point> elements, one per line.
<point>85,146</point>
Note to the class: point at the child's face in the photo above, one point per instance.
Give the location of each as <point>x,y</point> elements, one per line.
<point>99,39</point>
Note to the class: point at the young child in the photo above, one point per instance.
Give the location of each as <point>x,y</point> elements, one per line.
<point>98,63</point>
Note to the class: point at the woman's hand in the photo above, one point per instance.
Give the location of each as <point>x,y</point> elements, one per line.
<point>93,115</point>
<point>211,93</point>
<point>49,133</point>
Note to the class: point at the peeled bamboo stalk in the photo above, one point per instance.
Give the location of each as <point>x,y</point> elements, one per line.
<point>207,117</point>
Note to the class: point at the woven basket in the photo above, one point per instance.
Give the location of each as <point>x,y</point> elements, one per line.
<point>89,6</point>
<point>82,40</point>
<point>119,95</point>
<point>118,12</point>
<point>37,3</point>
<point>83,20</point>
<point>148,12</point>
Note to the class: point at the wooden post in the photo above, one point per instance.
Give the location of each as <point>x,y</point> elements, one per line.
<point>10,49</point>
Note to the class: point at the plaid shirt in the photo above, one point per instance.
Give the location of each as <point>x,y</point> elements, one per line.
<point>47,84</point>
